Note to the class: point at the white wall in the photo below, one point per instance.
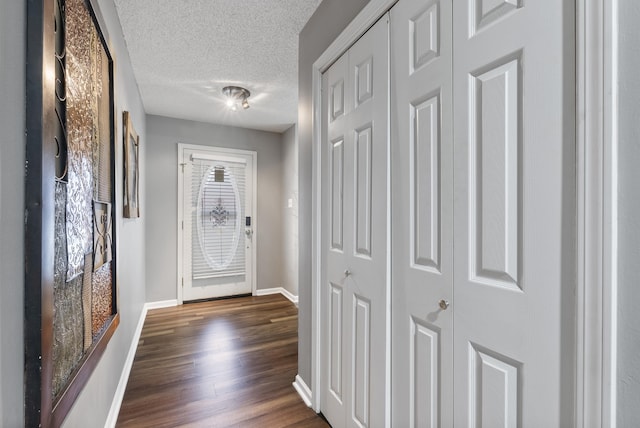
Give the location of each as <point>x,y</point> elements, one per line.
<point>628,361</point>
<point>290,214</point>
<point>93,404</point>
<point>327,22</point>
<point>164,134</point>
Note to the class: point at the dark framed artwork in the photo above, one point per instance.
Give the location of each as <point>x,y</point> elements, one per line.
<point>71,308</point>
<point>131,203</point>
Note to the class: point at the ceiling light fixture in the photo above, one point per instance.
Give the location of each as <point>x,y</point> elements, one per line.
<point>236,97</point>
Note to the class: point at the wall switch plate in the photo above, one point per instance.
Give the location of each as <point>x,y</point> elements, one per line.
<point>290,203</point>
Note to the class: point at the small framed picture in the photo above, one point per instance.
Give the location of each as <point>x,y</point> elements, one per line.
<point>131,169</point>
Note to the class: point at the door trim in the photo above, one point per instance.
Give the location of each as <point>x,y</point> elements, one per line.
<point>596,148</point>
<point>254,203</point>
<point>370,14</point>
<point>596,301</point>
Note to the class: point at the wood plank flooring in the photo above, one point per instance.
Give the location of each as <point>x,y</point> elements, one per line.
<point>226,363</point>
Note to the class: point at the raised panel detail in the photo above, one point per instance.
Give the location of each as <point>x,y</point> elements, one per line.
<point>363,191</point>
<point>424,37</point>
<point>337,185</point>
<point>361,360</point>
<point>335,341</point>
<point>494,395</point>
<point>424,364</point>
<point>364,81</point>
<point>495,175</point>
<point>486,12</point>
<point>336,100</point>
<point>425,184</point>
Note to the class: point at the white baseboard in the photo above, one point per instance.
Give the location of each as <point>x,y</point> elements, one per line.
<point>126,370</point>
<point>161,304</point>
<point>112,417</point>
<point>303,390</point>
<point>278,290</point>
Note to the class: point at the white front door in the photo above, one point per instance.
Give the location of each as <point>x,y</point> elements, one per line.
<point>354,290</point>
<point>514,213</point>
<point>216,222</point>
<point>422,213</point>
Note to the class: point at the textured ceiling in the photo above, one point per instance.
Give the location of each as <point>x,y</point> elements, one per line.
<point>185,51</point>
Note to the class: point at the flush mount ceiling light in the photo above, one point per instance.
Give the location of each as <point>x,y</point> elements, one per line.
<point>236,97</point>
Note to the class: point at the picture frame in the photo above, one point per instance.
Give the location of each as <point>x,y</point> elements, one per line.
<point>71,307</point>
<point>131,203</point>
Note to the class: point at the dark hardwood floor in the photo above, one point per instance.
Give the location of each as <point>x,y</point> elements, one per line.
<point>218,364</point>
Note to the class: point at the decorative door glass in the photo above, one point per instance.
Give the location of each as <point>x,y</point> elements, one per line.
<point>218,240</point>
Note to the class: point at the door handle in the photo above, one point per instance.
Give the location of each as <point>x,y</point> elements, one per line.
<point>347,273</point>
<point>444,304</point>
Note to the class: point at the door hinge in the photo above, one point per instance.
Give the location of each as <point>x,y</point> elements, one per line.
<point>182,224</point>
<point>182,282</point>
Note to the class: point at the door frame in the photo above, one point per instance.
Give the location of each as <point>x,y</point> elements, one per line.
<point>596,288</point>
<point>254,203</point>
<point>596,181</point>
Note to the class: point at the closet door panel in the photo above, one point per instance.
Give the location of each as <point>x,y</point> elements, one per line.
<point>336,185</point>
<point>367,131</point>
<point>355,314</point>
<point>422,213</point>
<point>361,357</point>
<point>336,307</point>
<point>424,184</point>
<point>495,176</point>
<point>363,188</point>
<point>336,330</point>
<point>514,213</point>
<point>424,375</point>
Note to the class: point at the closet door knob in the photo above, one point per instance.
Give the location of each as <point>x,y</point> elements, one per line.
<point>347,273</point>
<point>443,304</point>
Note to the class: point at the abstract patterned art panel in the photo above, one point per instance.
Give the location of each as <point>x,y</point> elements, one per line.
<point>67,319</point>
<point>84,226</point>
<point>102,298</point>
<point>83,87</point>
<point>70,298</point>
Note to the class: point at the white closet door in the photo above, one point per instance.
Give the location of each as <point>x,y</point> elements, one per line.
<point>514,213</point>
<point>354,316</point>
<point>422,213</point>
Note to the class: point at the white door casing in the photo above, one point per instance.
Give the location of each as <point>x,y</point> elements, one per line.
<point>596,295</point>
<point>230,174</point>
<point>422,214</point>
<point>355,149</point>
<point>514,213</point>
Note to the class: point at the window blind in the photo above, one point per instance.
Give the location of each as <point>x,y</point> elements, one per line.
<point>218,211</point>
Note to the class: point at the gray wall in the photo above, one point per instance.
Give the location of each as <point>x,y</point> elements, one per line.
<point>162,197</point>
<point>12,117</point>
<point>290,215</point>
<point>327,22</point>
<point>94,402</point>
<point>628,376</point>
<point>92,407</point>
